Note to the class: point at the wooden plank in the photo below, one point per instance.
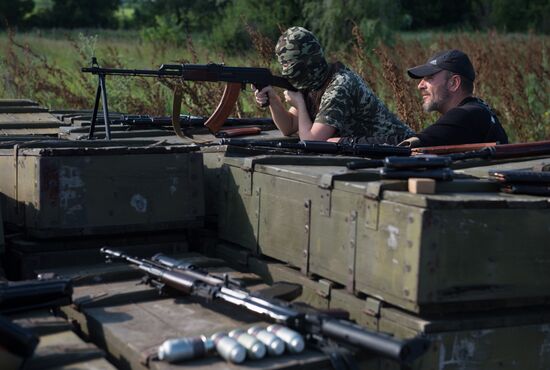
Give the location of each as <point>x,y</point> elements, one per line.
<point>62,349</point>
<point>41,322</point>
<point>97,364</point>
<point>122,328</point>
<point>59,346</point>
<point>38,118</point>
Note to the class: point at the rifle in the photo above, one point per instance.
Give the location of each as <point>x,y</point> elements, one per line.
<point>499,151</point>
<point>455,153</point>
<point>27,295</point>
<point>324,147</point>
<point>235,78</point>
<point>162,271</point>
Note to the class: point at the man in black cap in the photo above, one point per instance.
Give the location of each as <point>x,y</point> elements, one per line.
<point>446,85</point>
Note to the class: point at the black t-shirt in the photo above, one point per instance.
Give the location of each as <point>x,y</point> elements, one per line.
<point>472,121</point>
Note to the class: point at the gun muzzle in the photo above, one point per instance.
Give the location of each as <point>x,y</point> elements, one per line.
<point>111,253</point>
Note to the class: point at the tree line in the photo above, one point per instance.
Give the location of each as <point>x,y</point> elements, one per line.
<point>221,22</point>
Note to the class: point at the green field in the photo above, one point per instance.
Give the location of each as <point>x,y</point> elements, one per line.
<point>513,73</point>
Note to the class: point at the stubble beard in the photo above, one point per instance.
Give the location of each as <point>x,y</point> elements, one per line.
<point>435,103</point>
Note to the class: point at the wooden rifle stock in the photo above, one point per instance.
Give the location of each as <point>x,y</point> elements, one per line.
<point>448,149</point>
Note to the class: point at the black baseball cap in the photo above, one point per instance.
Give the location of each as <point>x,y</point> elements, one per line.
<point>450,60</point>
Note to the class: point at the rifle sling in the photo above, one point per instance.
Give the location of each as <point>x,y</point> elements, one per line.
<point>176,110</point>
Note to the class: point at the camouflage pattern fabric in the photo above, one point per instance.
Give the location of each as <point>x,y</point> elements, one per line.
<point>302,59</point>
<point>351,107</point>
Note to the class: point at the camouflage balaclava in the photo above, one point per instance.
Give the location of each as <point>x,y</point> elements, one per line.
<point>302,59</point>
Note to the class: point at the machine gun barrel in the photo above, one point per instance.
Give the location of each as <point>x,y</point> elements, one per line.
<point>311,322</point>
<point>405,351</point>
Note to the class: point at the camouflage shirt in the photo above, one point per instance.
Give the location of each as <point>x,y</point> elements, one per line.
<point>351,107</point>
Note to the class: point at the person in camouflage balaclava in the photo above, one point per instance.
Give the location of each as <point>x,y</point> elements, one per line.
<point>332,100</point>
<point>302,59</point>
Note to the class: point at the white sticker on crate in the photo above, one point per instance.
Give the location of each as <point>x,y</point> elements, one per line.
<point>70,189</point>
<point>139,203</point>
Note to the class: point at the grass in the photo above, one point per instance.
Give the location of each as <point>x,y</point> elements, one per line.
<point>513,73</point>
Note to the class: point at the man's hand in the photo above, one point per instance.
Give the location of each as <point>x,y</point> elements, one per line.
<point>411,142</point>
<point>296,99</point>
<point>264,95</point>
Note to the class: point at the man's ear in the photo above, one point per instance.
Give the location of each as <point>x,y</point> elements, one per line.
<point>453,84</point>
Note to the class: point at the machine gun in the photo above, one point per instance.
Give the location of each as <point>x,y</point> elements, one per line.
<point>162,271</point>
<point>324,147</point>
<point>235,77</point>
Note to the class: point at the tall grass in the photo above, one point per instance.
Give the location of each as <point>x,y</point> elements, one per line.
<point>512,73</point>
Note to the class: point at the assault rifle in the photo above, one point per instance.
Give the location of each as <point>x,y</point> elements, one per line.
<point>496,151</point>
<point>324,147</point>
<point>423,157</point>
<point>235,77</point>
<point>163,271</point>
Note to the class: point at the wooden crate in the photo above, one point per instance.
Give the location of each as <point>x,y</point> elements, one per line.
<point>55,189</point>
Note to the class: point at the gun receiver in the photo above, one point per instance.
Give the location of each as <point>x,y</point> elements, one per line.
<point>192,281</point>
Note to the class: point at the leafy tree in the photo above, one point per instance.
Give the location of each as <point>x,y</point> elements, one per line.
<point>264,16</point>
<point>14,11</point>
<point>333,20</point>
<point>78,14</point>
<point>191,15</point>
<point>438,13</point>
<point>521,15</point>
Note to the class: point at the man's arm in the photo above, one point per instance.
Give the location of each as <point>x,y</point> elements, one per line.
<point>307,130</point>
<point>286,121</point>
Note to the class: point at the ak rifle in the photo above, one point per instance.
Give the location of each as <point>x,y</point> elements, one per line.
<point>423,157</point>
<point>234,77</point>
<point>323,147</point>
<point>162,271</point>
<point>497,151</point>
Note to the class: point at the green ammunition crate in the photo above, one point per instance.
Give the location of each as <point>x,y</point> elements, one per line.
<point>55,189</point>
<point>270,202</point>
<point>29,257</point>
<point>517,339</point>
<point>468,247</point>
<point>453,251</point>
<point>501,339</point>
